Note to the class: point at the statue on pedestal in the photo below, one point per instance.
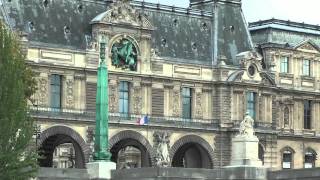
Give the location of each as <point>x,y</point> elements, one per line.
<point>246,126</point>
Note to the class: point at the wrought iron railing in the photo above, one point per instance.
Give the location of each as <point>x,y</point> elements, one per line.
<point>85,115</point>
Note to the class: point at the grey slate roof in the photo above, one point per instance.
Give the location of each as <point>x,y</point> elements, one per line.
<point>283,34</point>
<point>181,35</point>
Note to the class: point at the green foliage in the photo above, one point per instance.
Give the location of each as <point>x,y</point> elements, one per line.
<point>17,159</point>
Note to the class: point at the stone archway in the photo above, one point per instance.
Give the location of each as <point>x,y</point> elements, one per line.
<point>56,135</point>
<point>192,151</point>
<point>135,139</point>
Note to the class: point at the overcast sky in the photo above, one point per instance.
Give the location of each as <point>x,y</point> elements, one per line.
<point>307,11</point>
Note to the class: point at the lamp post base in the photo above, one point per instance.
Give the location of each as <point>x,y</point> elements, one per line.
<point>100,170</point>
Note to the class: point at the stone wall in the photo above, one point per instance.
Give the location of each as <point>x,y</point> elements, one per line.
<point>296,174</point>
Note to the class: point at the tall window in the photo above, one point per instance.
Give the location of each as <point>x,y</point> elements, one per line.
<point>309,159</point>
<point>287,159</point>
<point>307,114</point>
<point>186,103</point>
<point>284,64</point>
<point>251,104</point>
<point>124,98</point>
<point>55,88</point>
<point>306,67</point>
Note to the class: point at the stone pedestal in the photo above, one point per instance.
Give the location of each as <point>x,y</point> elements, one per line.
<point>245,151</point>
<point>100,170</point>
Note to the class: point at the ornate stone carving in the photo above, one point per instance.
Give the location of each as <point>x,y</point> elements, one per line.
<point>246,126</point>
<point>43,90</point>
<point>176,103</point>
<point>198,105</point>
<point>90,141</point>
<point>137,100</point>
<point>121,12</point>
<point>286,113</point>
<point>113,100</point>
<point>307,46</point>
<point>161,146</point>
<point>69,92</point>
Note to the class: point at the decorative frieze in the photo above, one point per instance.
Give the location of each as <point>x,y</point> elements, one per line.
<point>137,100</point>
<point>198,113</point>
<point>113,97</point>
<point>43,92</point>
<point>175,103</point>
<point>69,93</point>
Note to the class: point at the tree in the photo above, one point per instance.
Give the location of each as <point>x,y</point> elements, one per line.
<point>17,159</point>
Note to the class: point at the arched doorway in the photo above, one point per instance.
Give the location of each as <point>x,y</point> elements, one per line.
<point>130,149</point>
<point>60,138</point>
<point>192,151</point>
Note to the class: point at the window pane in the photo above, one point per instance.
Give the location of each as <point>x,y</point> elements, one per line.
<point>55,91</point>
<point>251,104</point>
<point>186,103</point>
<point>284,65</point>
<point>286,165</point>
<point>306,67</point>
<point>307,114</point>
<point>286,160</point>
<point>123,97</point>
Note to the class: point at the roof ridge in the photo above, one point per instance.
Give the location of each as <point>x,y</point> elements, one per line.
<point>284,22</point>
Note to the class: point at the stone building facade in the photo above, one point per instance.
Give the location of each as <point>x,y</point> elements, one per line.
<point>193,73</point>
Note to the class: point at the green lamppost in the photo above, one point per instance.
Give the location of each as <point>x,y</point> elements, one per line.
<point>101,152</point>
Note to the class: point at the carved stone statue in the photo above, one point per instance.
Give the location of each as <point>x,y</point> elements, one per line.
<point>161,141</point>
<point>246,126</point>
<point>124,55</point>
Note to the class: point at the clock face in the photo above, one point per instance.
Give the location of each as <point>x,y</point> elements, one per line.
<point>251,70</point>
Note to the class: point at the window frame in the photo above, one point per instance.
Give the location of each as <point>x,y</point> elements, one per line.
<point>284,64</point>
<point>252,110</point>
<point>311,152</point>
<point>186,94</point>
<point>287,150</point>
<point>124,98</point>
<point>307,114</point>
<point>306,67</point>
<point>56,91</point>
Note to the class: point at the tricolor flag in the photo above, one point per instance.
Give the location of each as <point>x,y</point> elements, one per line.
<point>142,121</point>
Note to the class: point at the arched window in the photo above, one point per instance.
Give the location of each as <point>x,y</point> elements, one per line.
<point>287,158</point>
<point>261,153</point>
<point>286,116</point>
<point>310,158</point>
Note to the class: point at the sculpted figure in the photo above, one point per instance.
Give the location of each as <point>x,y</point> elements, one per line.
<point>124,55</point>
<point>246,126</point>
<point>162,148</point>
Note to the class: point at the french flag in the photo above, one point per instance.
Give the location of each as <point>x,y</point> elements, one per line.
<point>142,121</point>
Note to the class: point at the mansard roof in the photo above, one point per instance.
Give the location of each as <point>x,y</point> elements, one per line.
<point>286,34</point>
<point>179,34</point>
